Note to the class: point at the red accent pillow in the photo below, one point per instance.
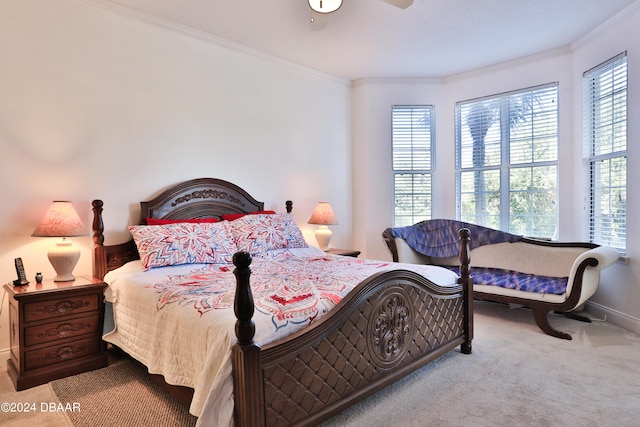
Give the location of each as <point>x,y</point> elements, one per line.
<point>231,217</point>
<point>160,221</point>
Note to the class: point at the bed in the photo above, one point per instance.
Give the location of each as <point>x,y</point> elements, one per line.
<point>248,345</point>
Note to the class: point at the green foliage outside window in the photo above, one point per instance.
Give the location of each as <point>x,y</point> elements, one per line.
<point>507,149</point>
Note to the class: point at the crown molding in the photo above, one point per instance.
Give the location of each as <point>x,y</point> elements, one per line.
<point>611,22</point>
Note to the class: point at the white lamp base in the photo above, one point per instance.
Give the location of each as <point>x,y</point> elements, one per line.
<point>323,236</point>
<point>63,257</point>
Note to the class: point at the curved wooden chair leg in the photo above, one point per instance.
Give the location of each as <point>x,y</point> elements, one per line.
<point>540,316</point>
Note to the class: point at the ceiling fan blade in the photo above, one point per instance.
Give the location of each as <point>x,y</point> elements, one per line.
<point>402,4</point>
<point>318,21</point>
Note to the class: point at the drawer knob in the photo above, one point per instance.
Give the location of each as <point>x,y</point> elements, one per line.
<point>64,330</point>
<point>61,354</point>
<point>63,307</point>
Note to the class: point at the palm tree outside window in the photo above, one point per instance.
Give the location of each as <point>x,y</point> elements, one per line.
<point>507,161</point>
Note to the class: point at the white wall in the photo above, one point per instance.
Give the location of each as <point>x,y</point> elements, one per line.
<point>94,104</point>
<point>619,295</point>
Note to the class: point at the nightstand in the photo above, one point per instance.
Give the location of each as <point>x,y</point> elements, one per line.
<point>55,330</point>
<point>344,252</point>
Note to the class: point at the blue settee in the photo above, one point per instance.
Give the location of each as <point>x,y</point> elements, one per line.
<point>542,275</point>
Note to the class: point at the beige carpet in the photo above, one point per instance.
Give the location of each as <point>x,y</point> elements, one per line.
<point>119,395</point>
<point>33,396</point>
<point>516,376</point>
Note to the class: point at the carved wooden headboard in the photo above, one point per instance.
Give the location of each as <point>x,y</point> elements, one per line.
<point>196,198</point>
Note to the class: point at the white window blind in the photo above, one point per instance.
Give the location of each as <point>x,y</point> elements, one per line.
<point>605,143</point>
<point>412,147</point>
<point>507,161</point>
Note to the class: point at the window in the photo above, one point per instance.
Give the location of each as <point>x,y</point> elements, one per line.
<point>507,161</point>
<point>412,129</point>
<point>605,143</point>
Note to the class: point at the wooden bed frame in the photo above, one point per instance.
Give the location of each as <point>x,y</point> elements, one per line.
<point>388,326</point>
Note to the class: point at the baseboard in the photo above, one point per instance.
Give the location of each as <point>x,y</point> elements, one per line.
<point>617,318</point>
<point>4,354</point>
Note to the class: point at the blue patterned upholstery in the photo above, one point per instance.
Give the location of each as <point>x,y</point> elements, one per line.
<point>439,237</point>
<point>519,281</point>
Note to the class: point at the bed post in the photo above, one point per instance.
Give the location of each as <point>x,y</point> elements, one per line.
<point>99,252</point>
<point>247,370</point>
<point>289,206</point>
<point>467,283</point>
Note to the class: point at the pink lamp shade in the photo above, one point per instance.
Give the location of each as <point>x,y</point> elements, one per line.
<point>61,220</point>
<point>323,216</point>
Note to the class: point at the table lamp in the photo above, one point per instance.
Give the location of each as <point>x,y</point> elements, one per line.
<point>323,217</point>
<point>61,220</point>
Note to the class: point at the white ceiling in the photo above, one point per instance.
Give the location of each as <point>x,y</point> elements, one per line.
<point>372,39</point>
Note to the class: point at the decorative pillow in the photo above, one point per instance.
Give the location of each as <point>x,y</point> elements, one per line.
<point>234,216</point>
<point>161,221</point>
<point>260,233</point>
<point>183,243</point>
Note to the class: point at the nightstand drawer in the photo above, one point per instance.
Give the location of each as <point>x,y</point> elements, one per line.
<point>60,330</point>
<point>61,307</point>
<point>60,353</point>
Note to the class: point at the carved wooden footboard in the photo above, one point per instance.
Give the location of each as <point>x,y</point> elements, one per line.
<point>388,326</point>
